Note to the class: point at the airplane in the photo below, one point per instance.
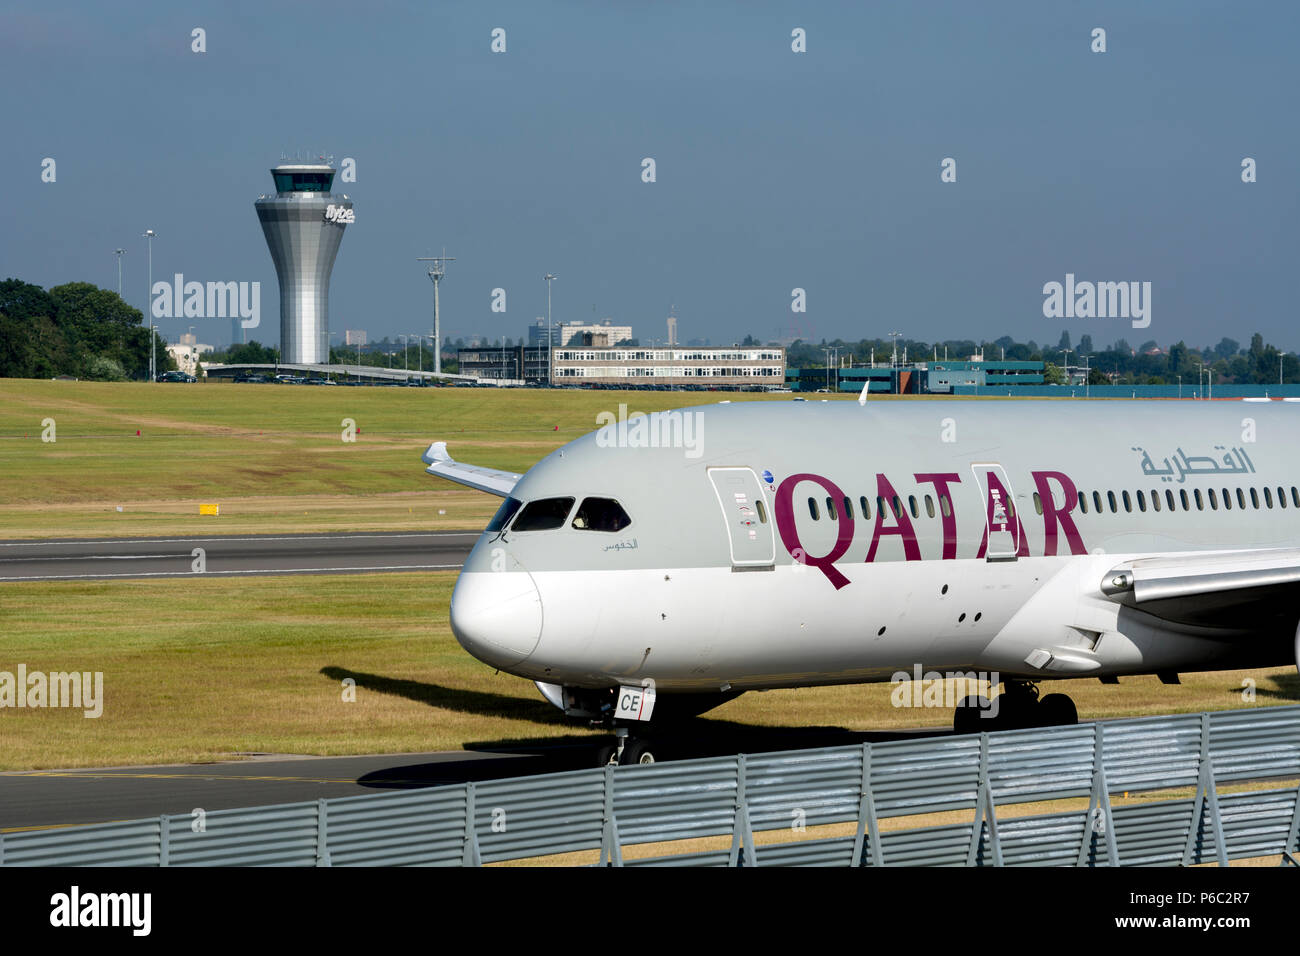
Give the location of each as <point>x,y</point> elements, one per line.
<point>666,563</point>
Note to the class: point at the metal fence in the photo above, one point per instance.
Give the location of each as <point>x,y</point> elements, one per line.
<point>735,797</point>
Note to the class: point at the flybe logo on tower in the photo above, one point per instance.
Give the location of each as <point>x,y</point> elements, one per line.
<point>1100,300</point>
<point>339,214</point>
<point>213,300</point>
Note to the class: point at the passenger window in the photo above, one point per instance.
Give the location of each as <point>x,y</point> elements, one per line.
<point>1295,496</point>
<point>898,506</point>
<point>1128,502</point>
<point>1281,497</point>
<point>911,503</point>
<point>1227,500</point>
<point>1268,496</point>
<point>1110,496</point>
<point>1214,501</point>
<point>1254,498</point>
<point>929,506</point>
<point>606,514</point>
<point>1200,505</point>
<point>1142,501</point>
<point>1038,503</point>
<point>504,514</point>
<point>1182,494</point>
<point>866,506</point>
<point>1096,500</point>
<point>762,511</point>
<point>1169,500</point>
<point>812,509</point>
<point>880,506</point>
<point>848,507</point>
<point>1155,499</point>
<point>830,509</point>
<point>945,506</point>
<point>544,514</point>
<point>1241,500</point>
<point>1083,503</point>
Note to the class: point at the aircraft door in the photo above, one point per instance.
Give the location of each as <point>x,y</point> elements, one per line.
<point>1001,523</point>
<point>746,516</point>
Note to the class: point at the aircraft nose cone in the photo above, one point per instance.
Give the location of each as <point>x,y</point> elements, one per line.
<point>497,615</point>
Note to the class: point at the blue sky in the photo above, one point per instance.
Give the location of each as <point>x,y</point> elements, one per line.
<point>775,170</point>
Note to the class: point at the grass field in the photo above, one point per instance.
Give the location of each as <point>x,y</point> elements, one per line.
<point>272,455</point>
<point>204,669</point>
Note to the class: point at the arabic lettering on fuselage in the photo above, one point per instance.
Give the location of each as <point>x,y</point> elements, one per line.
<point>627,545</point>
<point>1050,485</point>
<point>1235,462</point>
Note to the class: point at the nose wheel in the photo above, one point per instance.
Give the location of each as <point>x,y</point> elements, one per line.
<point>628,750</point>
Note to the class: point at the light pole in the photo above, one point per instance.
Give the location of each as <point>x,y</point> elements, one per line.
<point>406,344</point>
<point>1200,374</point>
<point>419,352</point>
<point>148,306</point>
<point>436,273</point>
<point>1279,367</point>
<point>120,253</point>
<point>1087,375</point>
<point>893,362</point>
<point>550,342</point>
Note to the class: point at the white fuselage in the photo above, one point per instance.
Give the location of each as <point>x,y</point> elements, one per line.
<point>737,572</point>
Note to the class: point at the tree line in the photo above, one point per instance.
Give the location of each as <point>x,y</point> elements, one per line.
<point>1148,364</point>
<point>76,329</point>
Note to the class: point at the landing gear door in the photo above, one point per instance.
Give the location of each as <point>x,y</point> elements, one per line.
<point>746,516</point>
<point>1000,522</point>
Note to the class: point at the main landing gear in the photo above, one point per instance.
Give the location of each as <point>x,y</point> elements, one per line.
<point>628,750</point>
<point>1018,707</point>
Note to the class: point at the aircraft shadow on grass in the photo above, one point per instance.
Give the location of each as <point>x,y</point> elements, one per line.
<point>452,698</point>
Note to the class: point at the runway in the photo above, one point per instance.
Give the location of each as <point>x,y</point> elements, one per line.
<point>38,799</point>
<point>228,556</point>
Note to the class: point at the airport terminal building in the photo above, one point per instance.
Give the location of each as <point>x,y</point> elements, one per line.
<point>700,367</point>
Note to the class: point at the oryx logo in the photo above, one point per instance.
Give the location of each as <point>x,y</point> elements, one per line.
<point>1098,300</point>
<point>215,300</point>
<point>340,214</point>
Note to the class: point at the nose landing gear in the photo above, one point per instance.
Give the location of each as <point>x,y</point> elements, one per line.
<point>627,750</point>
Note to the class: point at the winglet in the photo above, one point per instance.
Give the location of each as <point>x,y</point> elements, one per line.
<point>862,399</point>
<point>491,480</point>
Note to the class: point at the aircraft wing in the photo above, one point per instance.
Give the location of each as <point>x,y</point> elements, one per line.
<point>491,480</point>
<point>1221,589</point>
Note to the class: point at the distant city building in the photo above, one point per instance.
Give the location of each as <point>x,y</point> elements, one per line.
<point>187,352</point>
<point>303,224</point>
<point>537,333</point>
<point>354,336</point>
<point>676,366</point>
<point>604,335</point>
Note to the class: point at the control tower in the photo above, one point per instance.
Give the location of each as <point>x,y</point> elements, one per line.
<point>303,223</point>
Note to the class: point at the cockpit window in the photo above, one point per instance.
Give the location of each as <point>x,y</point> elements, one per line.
<point>601,514</point>
<point>504,514</point>
<point>544,514</point>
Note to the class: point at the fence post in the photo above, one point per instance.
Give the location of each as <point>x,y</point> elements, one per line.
<point>611,853</point>
<point>322,833</point>
<point>164,841</point>
<point>1291,846</point>
<point>985,812</point>
<point>471,856</point>
<point>1099,805</point>
<point>868,827</point>
<point>1207,799</point>
<point>742,837</point>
